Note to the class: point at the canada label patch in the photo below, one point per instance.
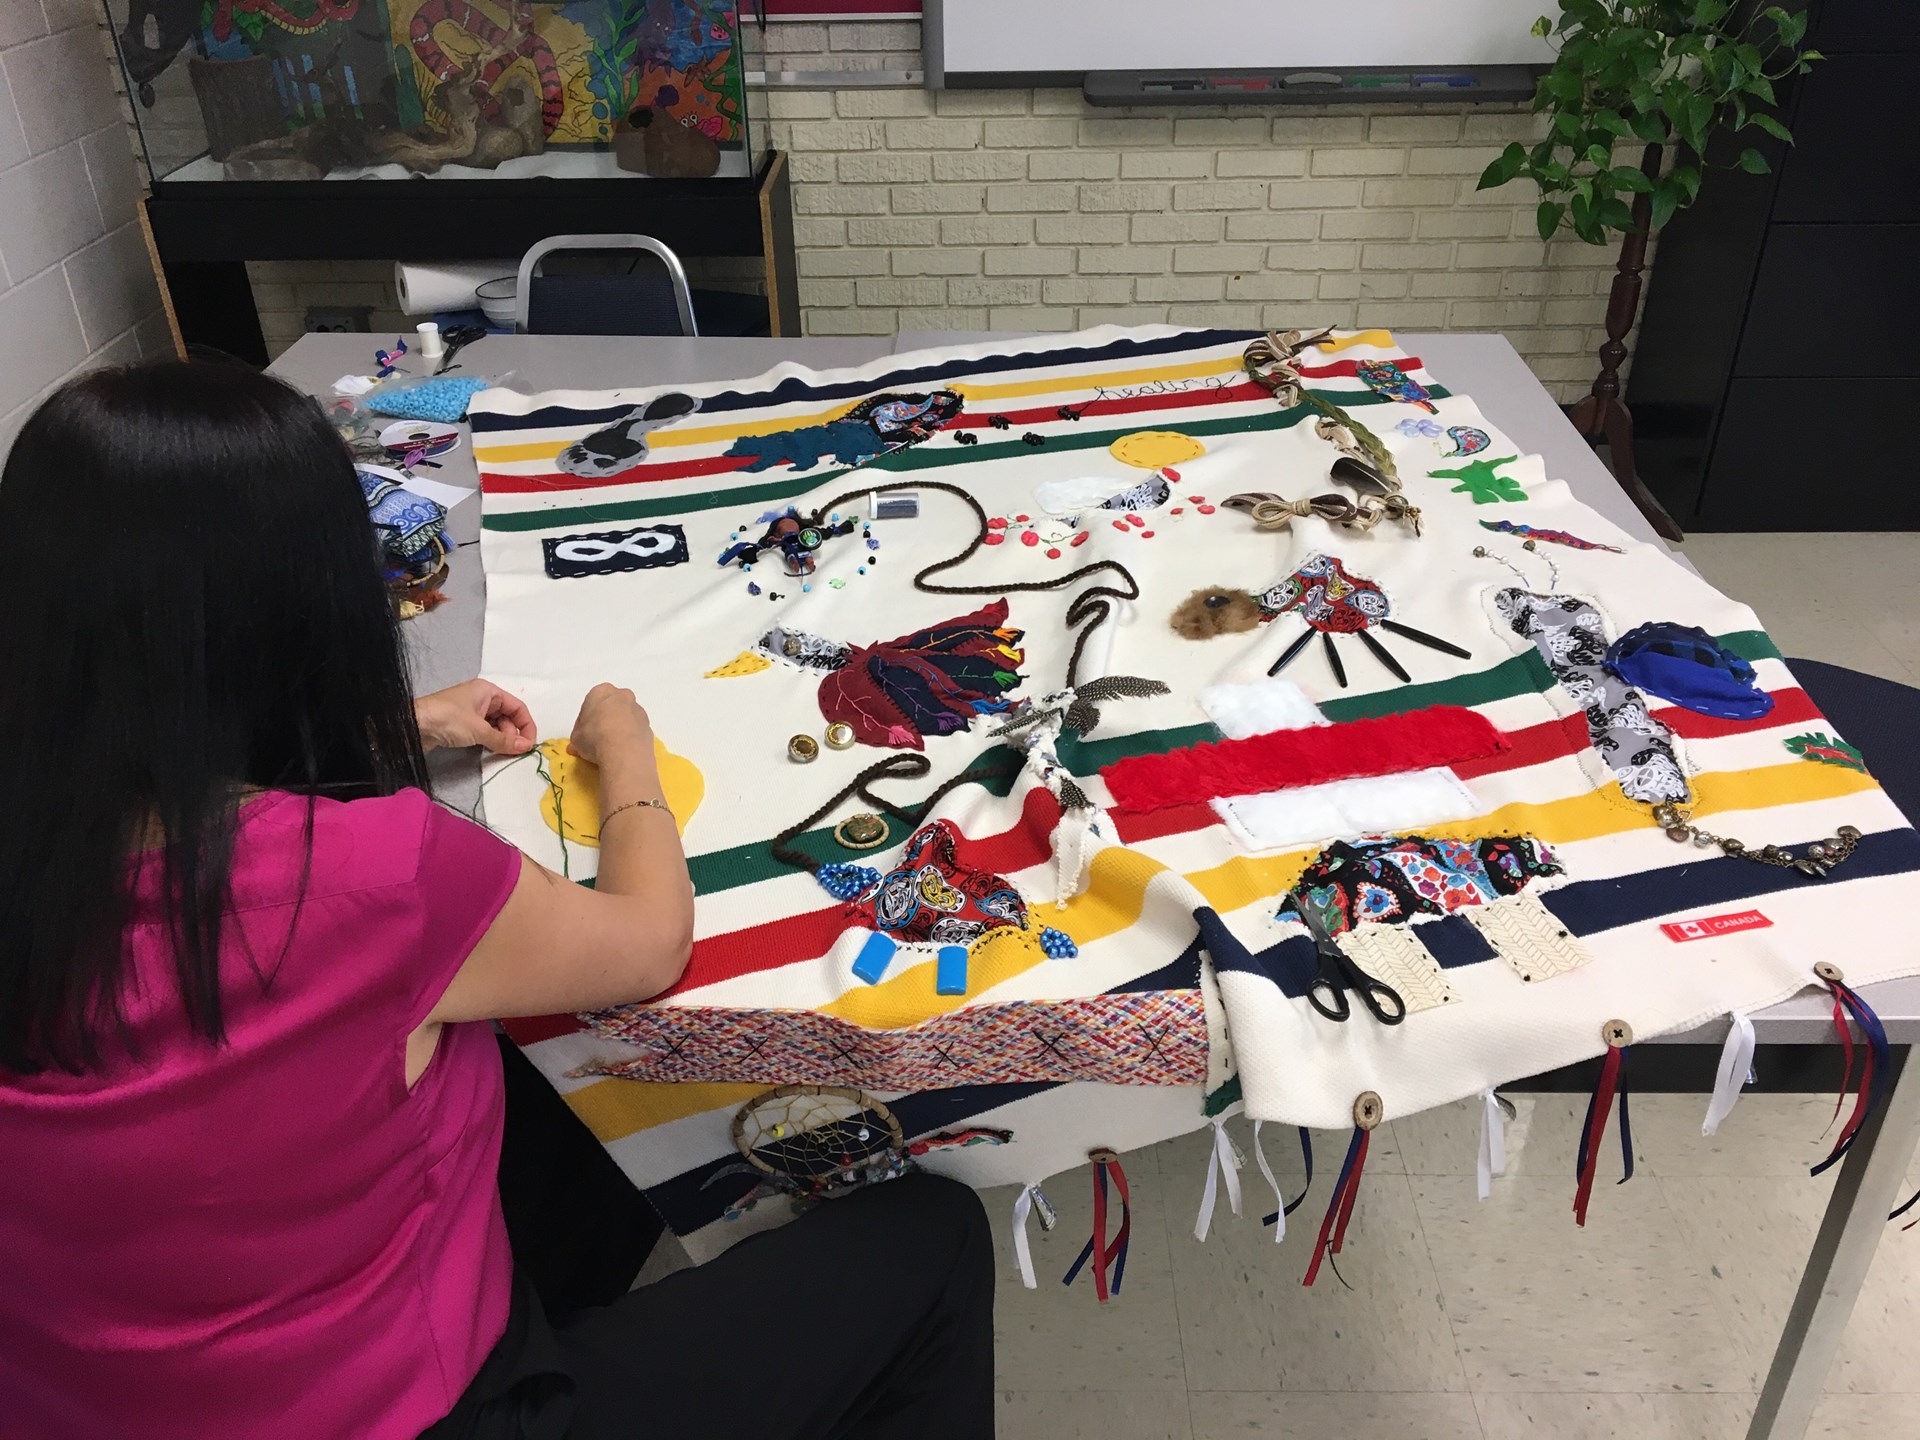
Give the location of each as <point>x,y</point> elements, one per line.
<point>610,552</point>
<point>1707,926</point>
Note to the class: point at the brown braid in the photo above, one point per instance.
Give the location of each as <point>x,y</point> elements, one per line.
<point>1094,603</point>
<point>905,767</point>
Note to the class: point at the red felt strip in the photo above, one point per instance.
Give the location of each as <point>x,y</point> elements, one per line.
<point>1284,759</point>
<point>1408,363</point>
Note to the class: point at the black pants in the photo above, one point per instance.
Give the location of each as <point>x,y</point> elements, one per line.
<point>871,1316</point>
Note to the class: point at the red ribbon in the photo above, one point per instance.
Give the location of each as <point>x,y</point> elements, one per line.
<point>1333,1226</point>
<point>1596,1127</point>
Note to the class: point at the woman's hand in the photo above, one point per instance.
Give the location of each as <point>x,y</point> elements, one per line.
<point>612,729</point>
<point>476,713</point>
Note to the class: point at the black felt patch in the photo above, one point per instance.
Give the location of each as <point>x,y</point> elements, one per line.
<point>609,552</point>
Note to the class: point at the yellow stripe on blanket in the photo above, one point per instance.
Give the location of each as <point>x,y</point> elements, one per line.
<point>678,436</point>
<point>1246,879</point>
<point>613,1109</point>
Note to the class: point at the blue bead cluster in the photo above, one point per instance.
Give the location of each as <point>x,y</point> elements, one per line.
<point>847,882</point>
<point>1057,944</point>
<point>442,398</point>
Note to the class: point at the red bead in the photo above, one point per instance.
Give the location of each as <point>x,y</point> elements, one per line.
<point>1146,534</point>
<point>1195,499</point>
<point>993,537</point>
<point>998,522</point>
<point>1171,473</point>
<point>1206,509</point>
<point>1081,538</point>
<point>1119,524</point>
<point>1135,520</point>
<point>1178,510</point>
<point>1027,537</point>
<point>1021,518</point>
<point>1053,552</point>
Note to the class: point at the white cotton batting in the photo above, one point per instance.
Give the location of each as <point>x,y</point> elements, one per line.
<point>1377,805</point>
<point>1259,708</point>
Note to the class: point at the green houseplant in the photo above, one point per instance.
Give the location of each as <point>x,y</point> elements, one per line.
<point>1670,74</point>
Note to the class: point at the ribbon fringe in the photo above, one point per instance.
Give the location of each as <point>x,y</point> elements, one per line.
<point>1875,1065</point>
<point>1279,1217</point>
<point>1736,1071</point>
<point>1613,1080</point>
<point>1493,1142</point>
<point>1333,1227</point>
<point>1222,1160</point>
<point>1106,1257</point>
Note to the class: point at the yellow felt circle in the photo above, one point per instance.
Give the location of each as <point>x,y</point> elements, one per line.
<point>573,793</point>
<point>1151,449</point>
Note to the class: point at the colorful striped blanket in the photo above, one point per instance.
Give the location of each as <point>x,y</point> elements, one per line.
<point>1118,963</point>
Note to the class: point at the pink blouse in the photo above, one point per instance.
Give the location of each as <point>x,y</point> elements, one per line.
<point>275,1236</point>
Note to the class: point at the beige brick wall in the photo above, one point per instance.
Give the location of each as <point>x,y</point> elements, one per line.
<point>1029,210</point>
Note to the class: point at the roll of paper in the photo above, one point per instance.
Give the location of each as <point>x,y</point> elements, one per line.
<point>428,289</point>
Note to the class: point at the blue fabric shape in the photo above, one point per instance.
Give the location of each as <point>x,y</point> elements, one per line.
<point>408,522</point>
<point>443,398</point>
<point>1684,664</point>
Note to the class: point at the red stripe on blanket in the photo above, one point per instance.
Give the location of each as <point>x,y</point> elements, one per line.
<point>1286,759</point>
<point>496,484</point>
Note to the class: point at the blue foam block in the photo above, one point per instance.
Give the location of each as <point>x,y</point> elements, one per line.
<point>950,970</point>
<point>874,957</point>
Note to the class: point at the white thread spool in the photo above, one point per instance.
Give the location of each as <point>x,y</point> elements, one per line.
<point>431,346</point>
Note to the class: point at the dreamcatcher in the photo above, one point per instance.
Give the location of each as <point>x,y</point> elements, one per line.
<point>817,1142</point>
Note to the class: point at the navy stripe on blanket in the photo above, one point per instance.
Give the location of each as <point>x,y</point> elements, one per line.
<point>1587,908</point>
<point>794,390</point>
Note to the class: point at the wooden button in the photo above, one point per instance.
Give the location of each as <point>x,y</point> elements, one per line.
<point>1368,1110</point>
<point>1617,1033</point>
<point>1102,1156</point>
<point>1830,972</point>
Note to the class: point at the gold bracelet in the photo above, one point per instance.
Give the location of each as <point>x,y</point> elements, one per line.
<point>631,805</point>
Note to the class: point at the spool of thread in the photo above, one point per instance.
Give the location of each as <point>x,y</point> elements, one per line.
<point>431,345</point>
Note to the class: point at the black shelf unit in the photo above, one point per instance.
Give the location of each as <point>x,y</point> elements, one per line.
<point>1776,340</point>
<point>206,230</point>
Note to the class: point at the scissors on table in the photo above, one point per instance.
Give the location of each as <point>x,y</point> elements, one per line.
<point>1339,974</point>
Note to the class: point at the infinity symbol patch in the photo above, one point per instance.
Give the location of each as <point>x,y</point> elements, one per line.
<point>609,552</point>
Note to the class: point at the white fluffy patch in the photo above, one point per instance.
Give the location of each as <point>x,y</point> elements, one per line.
<point>1084,492</point>
<point>1385,804</point>
<point>1259,708</point>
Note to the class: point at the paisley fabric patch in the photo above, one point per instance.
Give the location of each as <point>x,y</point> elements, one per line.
<point>1571,637</point>
<point>1392,881</point>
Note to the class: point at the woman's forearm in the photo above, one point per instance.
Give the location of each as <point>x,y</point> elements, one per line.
<point>640,854</point>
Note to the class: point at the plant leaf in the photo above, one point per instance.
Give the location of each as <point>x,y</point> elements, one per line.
<point>1613,212</point>
<point>1761,86</point>
<point>1547,217</point>
<point>1649,127</point>
<point>1633,178</point>
<point>1699,117</point>
<point>1753,162</point>
<point>1687,177</point>
<point>1609,121</point>
<point>1542,28</point>
<point>1709,12</point>
<point>1503,167</point>
<point>1599,155</point>
<point>1666,199</point>
<point>1567,126</point>
<point>1772,126</point>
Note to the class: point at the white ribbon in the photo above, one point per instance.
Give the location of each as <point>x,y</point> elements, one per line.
<point>1221,1161</point>
<point>1279,1200</point>
<point>1736,1070</point>
<point>1493,1142</point>
<point>1022,1255</point>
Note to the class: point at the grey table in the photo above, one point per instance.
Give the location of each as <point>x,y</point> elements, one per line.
<point>444,648</point>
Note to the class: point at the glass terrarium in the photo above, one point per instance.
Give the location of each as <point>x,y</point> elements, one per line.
<point>451,89</point>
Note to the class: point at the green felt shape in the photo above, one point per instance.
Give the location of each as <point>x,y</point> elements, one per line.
<point>1481,479</point>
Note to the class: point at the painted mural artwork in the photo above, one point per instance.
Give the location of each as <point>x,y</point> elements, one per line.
<point>302,89</point>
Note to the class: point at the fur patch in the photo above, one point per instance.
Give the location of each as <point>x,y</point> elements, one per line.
<point>1215,611</point>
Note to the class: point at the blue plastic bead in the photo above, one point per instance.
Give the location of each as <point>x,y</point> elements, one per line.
<point>950,970</point>
<point>1057,944</point>
<point>846,882</point>
<point>874,957</point>
<point>442,398</point>
<point>752,589</point>
<point>861,571</point>
<point>872,544</point>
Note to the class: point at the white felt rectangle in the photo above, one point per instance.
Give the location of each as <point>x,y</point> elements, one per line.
<point>1386,804</point>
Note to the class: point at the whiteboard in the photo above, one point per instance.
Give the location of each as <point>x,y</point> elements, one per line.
<point>1060,37</point>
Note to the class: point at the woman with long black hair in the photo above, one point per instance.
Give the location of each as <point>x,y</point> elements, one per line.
<point>249,1109</point>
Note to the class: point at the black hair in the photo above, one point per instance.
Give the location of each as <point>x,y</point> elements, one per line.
<point>192,608</point>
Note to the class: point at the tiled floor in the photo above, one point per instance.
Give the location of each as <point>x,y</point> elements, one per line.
<point>1496,1320</point>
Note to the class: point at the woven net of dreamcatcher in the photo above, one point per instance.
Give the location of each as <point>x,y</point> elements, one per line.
<point>813,1133</point>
